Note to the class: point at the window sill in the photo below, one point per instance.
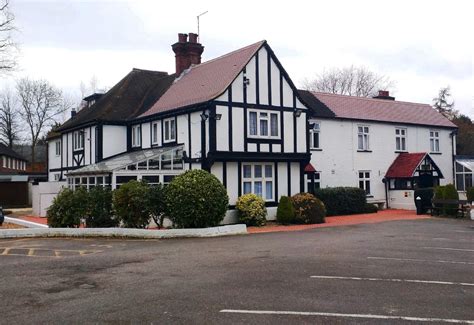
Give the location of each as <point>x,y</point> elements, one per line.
<point>401,151</point>
<point>370,196</point>
<point>316,149</point>
<point>364,150</point>
<point>436,153</point>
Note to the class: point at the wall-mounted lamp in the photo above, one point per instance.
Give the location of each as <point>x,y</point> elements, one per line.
<point>297,112</point>
<point>204,116</point>
<point>217,117</point>
<point>246,81</point>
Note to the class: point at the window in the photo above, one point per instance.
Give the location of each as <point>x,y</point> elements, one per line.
<point>263,124</point>
<point>136,136</point>
<point>463,177</point>
<point>400,184</point>
<point>363,138</point>
<point>4,162</point>
<point>314,135</point>
<point>317,182</point>
<point>364,181</point>
<point>400,139</point>
<point>434,141</point>
<point>258,179</point>
<point>78,140</point>
<point>58,148</point>
<point>154,133</point>
<point>170,130</point>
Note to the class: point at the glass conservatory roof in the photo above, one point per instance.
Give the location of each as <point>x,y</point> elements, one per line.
<point>467,163</point>
<point>122,161</point>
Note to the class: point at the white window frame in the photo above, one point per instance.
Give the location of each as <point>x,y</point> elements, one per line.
<point>154,133</point>
<point>78,140</point>
<point>169,136</point>
<point>316,129</point>
<point>434,141</point>
<point>363,131</point>
<point>57,177</point>
<point>268,118</point>
<point>58,148</point>
<point>364,180</point>
<point>401,139</point>
<point>136,136</point>
<point>263,179</point>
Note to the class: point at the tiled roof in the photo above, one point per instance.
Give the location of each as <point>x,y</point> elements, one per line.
<point>370,109</point>
<point>309,168</point>
<point>205,81</point>
<point>404,165</point>
<point>130,97</point>
<point>6,151</point>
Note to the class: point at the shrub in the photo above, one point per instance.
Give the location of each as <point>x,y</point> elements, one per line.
<point>470,194</point>
<point>342,200</point>
<point>450,193</point>
<point>308,209</point>
<point>99,208</point>
<point>156,204</point>
<point>371,208</point>
<point>426,195</point>
<point>251,210</point>
<point>130,204</point>
<point>196,199</point>
<point>68,208</point>
<point>285,211</point>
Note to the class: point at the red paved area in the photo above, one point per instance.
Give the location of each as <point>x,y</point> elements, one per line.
<point>381,216</point>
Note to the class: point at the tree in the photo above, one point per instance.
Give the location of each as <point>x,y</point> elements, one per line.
<point>352,80</point>
<point>465,137</point>
<point>40,105</point>
<point>7,46</point>
<point>9,128</point>
<point>442,104</point>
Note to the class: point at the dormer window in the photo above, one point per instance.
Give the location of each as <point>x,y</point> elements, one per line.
<point>78,140</point>
<point>263,124</point>
<point>169,130</point>
<point>136,136</point>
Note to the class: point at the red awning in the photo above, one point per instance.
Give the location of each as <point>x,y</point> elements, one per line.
<point>309,169</point>
<point>404,166</point>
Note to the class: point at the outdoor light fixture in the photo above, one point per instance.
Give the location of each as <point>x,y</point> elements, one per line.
<point>204,116</point>
<point>297,112</point>
<point>217,117</point>
<point>246,81</point>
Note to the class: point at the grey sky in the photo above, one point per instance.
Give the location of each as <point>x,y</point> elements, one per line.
<point>422,45</point>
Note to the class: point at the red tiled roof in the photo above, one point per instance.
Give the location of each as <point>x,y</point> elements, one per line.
<point>383,110</point>
<point>309,168</point>
<point>205,81</point>
<point>404,165</point>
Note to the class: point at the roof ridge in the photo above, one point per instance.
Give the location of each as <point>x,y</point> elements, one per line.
<point>368,98</point>
<point>228,54</point>
<point>151,71</point>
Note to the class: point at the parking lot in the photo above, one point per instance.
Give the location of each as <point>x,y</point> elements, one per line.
<point>396,272</point>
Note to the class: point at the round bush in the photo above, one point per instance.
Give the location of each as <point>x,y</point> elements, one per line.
<point>196,199</point>
<point>156,204</point>
<point>99,209</point>
<point>130,204</point>
<point>308,209</point>
<point>285,211</point>
<point>450,193</point>
<point>251,210</point>
<point>68,208</point>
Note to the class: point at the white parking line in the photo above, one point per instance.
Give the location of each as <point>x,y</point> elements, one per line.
<point>418,260</point>
<point>366,316</point>
<point>449,249</point>
<point>390,280</point>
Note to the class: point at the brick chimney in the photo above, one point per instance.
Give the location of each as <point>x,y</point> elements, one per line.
<point>384,94</point>
<point>187,53</point>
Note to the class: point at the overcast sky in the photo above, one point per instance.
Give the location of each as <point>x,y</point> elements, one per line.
<point>421,45</point>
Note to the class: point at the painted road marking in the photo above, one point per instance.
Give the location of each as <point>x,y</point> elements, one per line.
<point>418,260</point>
<point>39,252</point>
<point>340,315</point>
<point>454,239</point>
<point>449,249</point>
<point>390,280</point>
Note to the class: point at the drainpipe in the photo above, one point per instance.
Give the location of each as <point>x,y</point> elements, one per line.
<point>453,152</point>
<point>385,181</point>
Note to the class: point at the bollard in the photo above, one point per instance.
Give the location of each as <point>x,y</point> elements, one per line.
<point>419,207</point>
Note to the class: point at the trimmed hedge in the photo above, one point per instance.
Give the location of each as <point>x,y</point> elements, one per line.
<point>196,199</point>
<point>447,192</point>
<point>68,208</point>
<point>371,208</point>
<point>308,209</point>
<point>99,208</point>
<point>251,210</point>
<point>342,200</point>
<point>130,204</point>
<point>285,211</point>
<point>426,195</point>
<point>470,194</point>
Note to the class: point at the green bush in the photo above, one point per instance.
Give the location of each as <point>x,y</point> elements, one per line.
<point>156,203</point>
<point>371,208</point>
<point>99,208</point>
<point>196,199</point>
<point>285,211</point>
<point>426,195</point>
<point>342,200</point>
<point>450,193</point>
<point>251,210</point>
<point>308,209</point>
<point>68,208</point>
<point>130,204</point>
<point>470,194</point>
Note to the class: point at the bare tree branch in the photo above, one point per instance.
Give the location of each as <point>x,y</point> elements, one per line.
<point>9,124</point>
<point>8,48</point>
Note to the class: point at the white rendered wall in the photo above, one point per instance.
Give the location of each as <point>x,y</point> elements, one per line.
<point>114,140</point>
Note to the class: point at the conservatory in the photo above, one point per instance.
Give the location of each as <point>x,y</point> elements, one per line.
<point>154,166</point>
<point>464,173</point>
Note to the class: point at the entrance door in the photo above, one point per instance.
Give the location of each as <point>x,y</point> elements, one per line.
<point>426,180</point>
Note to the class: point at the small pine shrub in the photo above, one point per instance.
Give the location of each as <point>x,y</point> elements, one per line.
<point>251,210</point>
<point>130,204</point>
<point>470,194</point>
<point>285,211</point>
<point>99,208</point>
<point>68,208</point>
<point>308,209</point>
<point>196,199</point>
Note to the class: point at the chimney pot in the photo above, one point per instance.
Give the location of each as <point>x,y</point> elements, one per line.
<point>193,37</point>
<point>187,53</point>
<point>182,38</point>
<point>384,94</point>
<point>73,112</point>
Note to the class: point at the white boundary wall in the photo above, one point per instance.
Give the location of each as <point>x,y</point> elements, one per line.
<point>43,195</point>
